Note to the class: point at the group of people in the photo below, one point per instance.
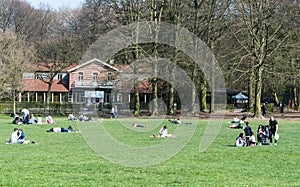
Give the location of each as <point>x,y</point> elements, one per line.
<point>238,123</point>
<point>28,118</point>
<point>18,137</point>
<point>269,132</point>
<point>280,106</point>
<point>82,117</point>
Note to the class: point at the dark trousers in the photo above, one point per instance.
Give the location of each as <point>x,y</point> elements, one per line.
<point>272,133</point>
<point>247,141</point>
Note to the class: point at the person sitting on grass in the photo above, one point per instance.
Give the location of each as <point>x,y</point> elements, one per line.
<point>71,117</point>
<point>32,119</point>
<point>240,141</point>
<point>235,120</point>
<point>163,133</point>
<point>82,117</point>
<point>17,120</point>
<point>261,134</point>
<point>25,115</point>
<point>21,135</point>
<point>14,137</point>
<point>49,119</point>
<point>236,126</point>
<point>252,140</point>
<point>62,129</point>
<point>40,119</point>
<point>18,137</point>
<point>237,123</point>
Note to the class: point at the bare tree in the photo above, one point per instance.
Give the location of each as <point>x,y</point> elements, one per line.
<point>260,36</point>
<point>14,53</point>
<point>54,56</point>
<point>32,24</point>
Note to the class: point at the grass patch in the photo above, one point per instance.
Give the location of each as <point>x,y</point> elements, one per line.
<point>65,159</point>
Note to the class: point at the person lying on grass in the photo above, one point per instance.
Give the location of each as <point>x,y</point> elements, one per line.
<point>138,125</point>
<point>236,126</point>
<point>163,133</point>
<point>178,121</point>
<point>62,129</point>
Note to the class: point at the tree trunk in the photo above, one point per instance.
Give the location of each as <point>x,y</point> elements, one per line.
<point>194,90</point>
<point>203,106</point>
<point>137,105</point>
<point>212,90</point>
<point>212,93</point>
<point>156,15</point>
<point>48,95</point>
<point>14,102</point>
<point>258,91</point>
<point>137,108</point>
<point>171,101</point>
<point>251,93</point>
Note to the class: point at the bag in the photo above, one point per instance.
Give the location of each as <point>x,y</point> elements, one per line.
<point>276,136</point>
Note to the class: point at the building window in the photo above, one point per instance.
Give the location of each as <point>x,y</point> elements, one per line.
<point>80,76</point>
<point>110,76</point>
<point>79,97</point>
<point>60,76</point>
<point>95,77</point>
<point>119,98</point>
<point>28,75</point>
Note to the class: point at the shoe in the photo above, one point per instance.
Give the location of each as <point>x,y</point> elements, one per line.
<point>275,143</point>
<point>270,144</point>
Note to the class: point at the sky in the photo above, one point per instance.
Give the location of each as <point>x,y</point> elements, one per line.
<point>56,4</point>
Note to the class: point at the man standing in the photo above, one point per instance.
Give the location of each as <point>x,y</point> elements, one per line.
<point>248,133</point>
<point>264,109</point>
<point>281,108</point>
<point>273,125</point>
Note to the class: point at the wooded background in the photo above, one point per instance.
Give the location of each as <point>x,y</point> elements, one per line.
<point>256,43</point>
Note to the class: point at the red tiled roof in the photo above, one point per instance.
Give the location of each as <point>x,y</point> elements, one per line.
<point>36,85</point>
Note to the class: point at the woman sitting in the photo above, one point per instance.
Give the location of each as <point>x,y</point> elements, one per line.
<point>49,119</point>
<point>163,133</point>
<point>240,141</point>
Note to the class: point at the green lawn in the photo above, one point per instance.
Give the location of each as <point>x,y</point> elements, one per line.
<point>65,159</point>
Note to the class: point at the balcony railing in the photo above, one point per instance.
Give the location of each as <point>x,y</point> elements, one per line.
<point>91,84</point>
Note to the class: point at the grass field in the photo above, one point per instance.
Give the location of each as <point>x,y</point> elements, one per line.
<point>65,159</point>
